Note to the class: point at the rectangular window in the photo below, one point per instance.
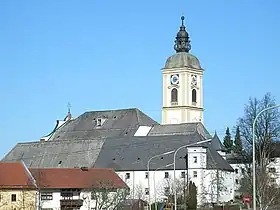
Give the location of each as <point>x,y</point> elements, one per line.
<point>236,171</point>
<point>146,175</point>
<point>242,170</point>
<point>147,191</point>
<point>236,181</point>
<point>183,174</point>
<point>166,175</point>
<point>66,194</point>
<point>195,159</point>
<point>46,196</point>
<point>14,197</point>
<point>194,173</point>
<point>127,176</point>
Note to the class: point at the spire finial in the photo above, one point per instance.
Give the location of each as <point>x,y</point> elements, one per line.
<point>182,18</point>
<point>182,42</point>
<point>69,107</point>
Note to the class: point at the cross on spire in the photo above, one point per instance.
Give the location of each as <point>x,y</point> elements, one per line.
<point>69,107</point>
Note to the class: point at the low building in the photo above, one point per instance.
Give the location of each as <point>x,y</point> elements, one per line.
<point>17,187</point>
<point>59,188</point>
<point>79,188</point>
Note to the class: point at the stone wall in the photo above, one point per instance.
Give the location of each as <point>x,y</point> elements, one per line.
<point>22,199</point>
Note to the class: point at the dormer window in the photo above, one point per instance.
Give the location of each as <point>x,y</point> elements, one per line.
<point>98,122</point>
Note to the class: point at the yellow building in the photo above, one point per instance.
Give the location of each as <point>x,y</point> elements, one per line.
<point>17,187</point>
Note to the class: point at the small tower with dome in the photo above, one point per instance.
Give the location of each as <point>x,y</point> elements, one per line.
<point>182,83</point>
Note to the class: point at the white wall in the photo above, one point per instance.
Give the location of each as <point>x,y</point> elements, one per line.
<point>203,179</point>
<point>274,169</point>
<point>239,170</point>
<point>185,110</point>
<point>197,173</point>
<point>54,204</point>
<point>218,185</point>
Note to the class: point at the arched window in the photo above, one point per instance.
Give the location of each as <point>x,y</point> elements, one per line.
<point>174,95</point>
<point>194,96</point>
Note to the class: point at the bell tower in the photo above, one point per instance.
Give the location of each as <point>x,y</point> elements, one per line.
<point>182,78</point>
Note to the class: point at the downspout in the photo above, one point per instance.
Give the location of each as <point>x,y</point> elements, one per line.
<point>133,183</point>
<point>218,186</point>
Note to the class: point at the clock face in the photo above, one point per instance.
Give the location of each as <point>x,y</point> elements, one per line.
<point>174,79</point>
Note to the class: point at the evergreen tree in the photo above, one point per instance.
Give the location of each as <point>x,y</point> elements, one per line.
<point>238,147</point>
<point>227,141</point>
<point>192,197</point>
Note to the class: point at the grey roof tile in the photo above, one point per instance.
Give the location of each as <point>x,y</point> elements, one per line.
<point>217,144</point>
<point>129,153</point>
<point>74,153</point>
<point>81,143</point>
<point>122,122</point>
<point>123,153</point>
<point>180,129</point>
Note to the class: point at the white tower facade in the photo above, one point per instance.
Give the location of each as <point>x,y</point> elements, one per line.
<point>182,84</point>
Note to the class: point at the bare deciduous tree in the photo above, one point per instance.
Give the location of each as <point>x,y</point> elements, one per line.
<point>168,190</point>
<point>139,192</point>
<point>214,188</point>
<point>267,130</point>
<point>108,197</point>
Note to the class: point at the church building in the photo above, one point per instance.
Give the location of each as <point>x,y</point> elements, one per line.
<point>129,141</point>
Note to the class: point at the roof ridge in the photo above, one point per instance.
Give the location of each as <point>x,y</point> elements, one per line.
<point>53,168</point>
<point>137,116</point>
<point>96,129</point>
<point>108,110</point>
<point>28,142</point>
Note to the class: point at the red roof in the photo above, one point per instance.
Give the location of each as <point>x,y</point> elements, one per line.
<point>77,178</point>
<point>13,175</point>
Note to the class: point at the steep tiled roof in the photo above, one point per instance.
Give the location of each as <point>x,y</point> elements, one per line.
<point>217,144</point>
<point>120,153</point>
<point>77,178</point>
<point>122,122</point>
<point>50,154</point>
<point>233,158</point>
<point>124,154</point>
<point>80,142</point>
<point>180,129</point>
<point>14,175</point>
